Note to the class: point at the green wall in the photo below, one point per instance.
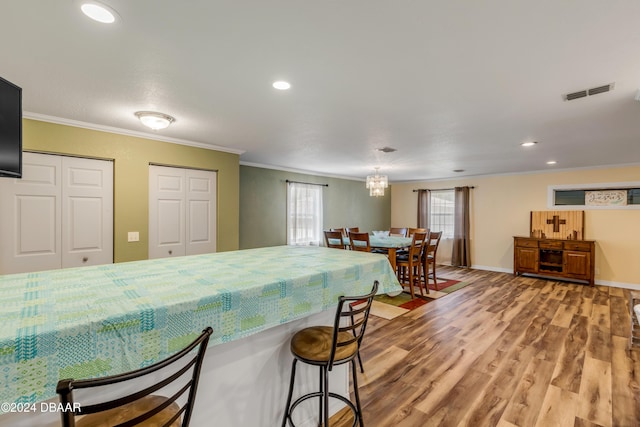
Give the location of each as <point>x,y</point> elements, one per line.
<point>263,199</point>
<point>131,156</point>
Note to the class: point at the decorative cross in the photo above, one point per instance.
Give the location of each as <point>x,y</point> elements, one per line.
<point>556,221</point>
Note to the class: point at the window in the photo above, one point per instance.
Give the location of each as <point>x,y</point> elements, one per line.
<point>441,212</point>
<point>623,195</point>
<point>304,214</point>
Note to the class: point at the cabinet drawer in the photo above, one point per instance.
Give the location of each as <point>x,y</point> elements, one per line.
<point>527,243</point>
<point>578,246</point>
<point>545,244</point>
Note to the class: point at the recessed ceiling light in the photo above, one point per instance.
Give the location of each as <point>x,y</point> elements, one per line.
<point>281,85</point>
<point>529,143</point>
<point>154,120</point>
<point>98,12</point>
<point>551,162</point>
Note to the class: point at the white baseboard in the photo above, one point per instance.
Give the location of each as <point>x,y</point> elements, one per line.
<point>633,286</point>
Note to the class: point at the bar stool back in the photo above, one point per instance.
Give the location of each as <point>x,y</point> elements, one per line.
<point>325,347</point>
<point>139,407</point>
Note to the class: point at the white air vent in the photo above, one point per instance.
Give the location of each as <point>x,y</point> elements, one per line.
<point>588,92</point>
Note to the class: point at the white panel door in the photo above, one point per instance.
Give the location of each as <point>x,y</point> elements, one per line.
<point>166,212</point>
<point>59,214</point>
<point>30,216</point>
<point>201,212</point>
<point>182,211</point>
<point>87,188</point>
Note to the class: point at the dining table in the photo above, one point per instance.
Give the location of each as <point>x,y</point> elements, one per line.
<point>390,243</point>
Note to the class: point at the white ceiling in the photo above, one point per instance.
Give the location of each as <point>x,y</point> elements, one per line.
<point>451,84</point>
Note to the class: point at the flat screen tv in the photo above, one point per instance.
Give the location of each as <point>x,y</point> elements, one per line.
<point>10,130</point>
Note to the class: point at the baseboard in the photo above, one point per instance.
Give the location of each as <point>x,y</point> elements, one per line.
<point>633,286</point>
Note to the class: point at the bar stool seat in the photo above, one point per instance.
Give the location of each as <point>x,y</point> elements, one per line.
<point>314,344</point>
<point>327,346</point>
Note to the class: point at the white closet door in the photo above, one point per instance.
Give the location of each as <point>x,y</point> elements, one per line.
<point>166,211</point>
<point>87,188</point>
<point>201,211</point>
<point>59,214</point>
<point>30,216</point>
<point>182,211</point>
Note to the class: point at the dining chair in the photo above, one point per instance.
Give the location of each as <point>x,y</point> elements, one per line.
<point>341,230</point>
<point>354,229</point>
<point>416,230</point>
<point>326,347</point>
<point>430,258</point>
<point>359,241</point>
<point>396,231</point>
<point>333,239</point>
<point>136,404</point>
<point>411,264</point>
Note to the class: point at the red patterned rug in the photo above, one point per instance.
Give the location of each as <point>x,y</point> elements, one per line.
<point>390,307</point>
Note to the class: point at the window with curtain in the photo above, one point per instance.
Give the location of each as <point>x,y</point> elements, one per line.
<point>304,214</point>
<point>441,212</point>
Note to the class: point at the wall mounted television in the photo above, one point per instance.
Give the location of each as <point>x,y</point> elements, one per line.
<point>10,130</point>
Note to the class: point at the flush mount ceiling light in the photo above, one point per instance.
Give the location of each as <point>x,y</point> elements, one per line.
<point>153,120</point>
<point>376,184</point>
<point>529,143</point>
<point>282,85</point>
<point>98,11</point>
<point>551,162</point>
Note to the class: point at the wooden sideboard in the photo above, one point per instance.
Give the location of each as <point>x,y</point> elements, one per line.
<point>568,259</point>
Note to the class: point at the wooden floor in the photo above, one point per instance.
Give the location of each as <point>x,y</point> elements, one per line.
<point>504,351</point>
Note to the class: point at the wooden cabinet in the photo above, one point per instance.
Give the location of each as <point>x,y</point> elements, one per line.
<point>569,259</point>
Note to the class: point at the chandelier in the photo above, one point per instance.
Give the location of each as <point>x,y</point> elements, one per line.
<point>376,184</point>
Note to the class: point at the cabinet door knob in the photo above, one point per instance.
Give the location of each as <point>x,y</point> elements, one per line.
<point>170,252</point>
<point>85,259</point>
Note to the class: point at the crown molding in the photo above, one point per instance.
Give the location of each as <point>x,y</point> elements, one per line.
<point>127,132</point>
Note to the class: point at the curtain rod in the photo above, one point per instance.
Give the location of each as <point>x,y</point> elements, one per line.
<point>308,183</point>
<point>438,189</point>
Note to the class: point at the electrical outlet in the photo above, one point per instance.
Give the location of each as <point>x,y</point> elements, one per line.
<point>133,236</point>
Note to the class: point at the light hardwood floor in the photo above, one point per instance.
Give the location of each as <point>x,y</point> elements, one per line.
<point>505,351</point>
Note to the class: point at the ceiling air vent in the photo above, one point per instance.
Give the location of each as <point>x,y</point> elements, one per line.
<point>588,92</point>
<point>387,149</point>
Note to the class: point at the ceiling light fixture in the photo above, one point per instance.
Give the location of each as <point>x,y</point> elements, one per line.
<point>153,120</point>
<point>98,12</point>
<point>551,162</point>
<point>376,184</point>
<point>529,143</point>
<point>282,85</point>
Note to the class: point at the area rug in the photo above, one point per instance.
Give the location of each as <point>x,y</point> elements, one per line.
<point>389,307</point>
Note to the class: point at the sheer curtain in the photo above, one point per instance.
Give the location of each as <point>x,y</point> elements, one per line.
<point>461,254</point>
<point>424,202</point>
<point>304,214</point>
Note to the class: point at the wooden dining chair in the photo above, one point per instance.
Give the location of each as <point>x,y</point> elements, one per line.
<point>341,230</point>
<point>359,241</point>
<point>416,230</point>
<point>410,265</point>
<point>429,259</point>
<point>399,232</point>
<point>333,239</point>
<point>138,404</point>
<point>354,229</point>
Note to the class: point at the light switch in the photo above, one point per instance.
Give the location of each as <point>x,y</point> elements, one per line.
<point>133,236</point>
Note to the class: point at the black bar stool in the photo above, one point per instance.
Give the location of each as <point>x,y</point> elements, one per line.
<point>325,347</point>
<point>141,407</point>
